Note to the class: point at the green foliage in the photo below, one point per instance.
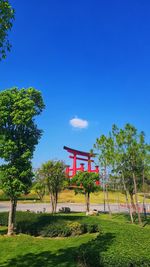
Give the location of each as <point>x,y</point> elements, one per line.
<point>75,228</point>
<point>93,228</point>
<point>18,137</point>
<point>56,230</point>
<point>6,20</point>
<point>132,155</point>
<point>105,147</point>
<point>115,246</point>
<point>86,182</point>
<point>49,226</point>
<point>52,173</point>
<point>3,218</point>
<point>39,185</point>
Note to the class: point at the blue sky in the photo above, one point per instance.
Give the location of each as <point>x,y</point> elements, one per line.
<point>90,59</point>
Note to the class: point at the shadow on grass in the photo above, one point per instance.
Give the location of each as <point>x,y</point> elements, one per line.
<point>3,231</point>
<point>86,255</point>
<point>127,219</point>
<point>33,224</point>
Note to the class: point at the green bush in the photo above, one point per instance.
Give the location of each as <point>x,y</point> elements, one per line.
<point>54,230</point>
<point>3,218</point>
<point>75,228</point>
<point>93,228</point>
<point>67,229</point>
<point>48,225</point>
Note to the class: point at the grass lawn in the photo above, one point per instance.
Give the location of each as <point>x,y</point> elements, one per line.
<point>119,244</point>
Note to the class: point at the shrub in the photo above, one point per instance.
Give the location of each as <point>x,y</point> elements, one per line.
<point>48,225</point>
<point>54,230</point>
<point>93,228</point>
<point>76,228</point>
<point>4,218</point>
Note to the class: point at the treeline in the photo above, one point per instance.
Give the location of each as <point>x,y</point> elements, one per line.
<point>124,158</point>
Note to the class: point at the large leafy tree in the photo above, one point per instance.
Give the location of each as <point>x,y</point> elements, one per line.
<point>19,136</point>
<point>86,183</point>
<point>53,172</point>
<point>6,20</point>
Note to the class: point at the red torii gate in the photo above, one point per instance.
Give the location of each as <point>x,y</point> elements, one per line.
<point>85,156</point>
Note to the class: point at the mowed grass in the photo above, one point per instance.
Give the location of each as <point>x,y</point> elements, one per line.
<point>117,241</point>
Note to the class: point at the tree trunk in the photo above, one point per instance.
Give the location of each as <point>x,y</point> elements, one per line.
<point>127,200</point>
<point>107,198</point>
<point>132,203</point>
<point>118,198</point>
<point>87,197</point>
<point>52,202</point>
<point>55,201</point>
<point>104,194</point>
<point>12,217</point>
<point>106,190</point>
<point>144,196</point>
<point>136,199</point>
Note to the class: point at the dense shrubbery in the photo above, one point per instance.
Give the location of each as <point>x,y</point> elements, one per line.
<point>48,225</point>
<point>3,218</point>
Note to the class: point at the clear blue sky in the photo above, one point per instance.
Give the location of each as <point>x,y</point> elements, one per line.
<point>90,59</point>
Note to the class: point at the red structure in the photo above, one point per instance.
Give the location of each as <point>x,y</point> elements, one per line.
<point>81,156</point>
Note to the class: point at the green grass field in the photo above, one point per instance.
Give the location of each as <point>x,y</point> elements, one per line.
<point>118,244</point>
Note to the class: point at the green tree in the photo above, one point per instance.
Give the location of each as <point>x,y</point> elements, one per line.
<point>39,185</point>
<point>53,172</point>
<point>105,151</point>
<point>86,183</point>
<point>19,136</point>
<point>6,20</point>
<point>131,153</point>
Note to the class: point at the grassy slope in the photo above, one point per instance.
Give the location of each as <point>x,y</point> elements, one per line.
<point>119,239</point>
<point>70,197</point>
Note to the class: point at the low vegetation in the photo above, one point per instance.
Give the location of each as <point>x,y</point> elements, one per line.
<point>117,244</point>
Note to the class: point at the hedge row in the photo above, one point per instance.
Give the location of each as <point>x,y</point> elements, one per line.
<point>47,225</point>
<point>69,229</point>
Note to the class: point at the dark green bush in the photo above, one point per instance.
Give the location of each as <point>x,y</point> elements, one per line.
<point>93,228</point>
<point>67,229</point>
<point>48,225</point>
<point>3,218</point>
<point>54,230</point>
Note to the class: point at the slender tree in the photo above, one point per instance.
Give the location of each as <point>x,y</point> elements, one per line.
<point>86,183</point>
<point>54,174</point>
<point>39,185</point>
<point>131,151</point>
<point>6,21</point>
<point>19,136</point>
<point>105,150</point>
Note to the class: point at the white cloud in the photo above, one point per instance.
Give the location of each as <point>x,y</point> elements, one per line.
<point>79,123</point>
